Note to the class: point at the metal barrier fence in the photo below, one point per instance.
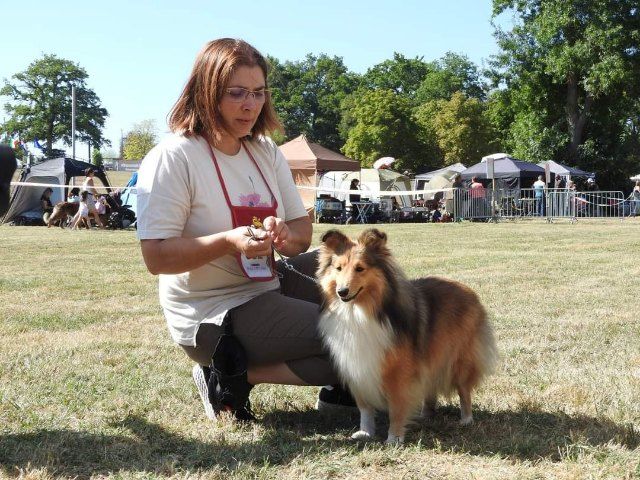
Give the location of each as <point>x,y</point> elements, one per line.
<point>488,204</point>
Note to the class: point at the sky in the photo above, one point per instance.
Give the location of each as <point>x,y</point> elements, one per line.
<point>138,53</point>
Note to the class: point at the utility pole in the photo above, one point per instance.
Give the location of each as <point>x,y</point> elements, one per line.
<point>73,121</point>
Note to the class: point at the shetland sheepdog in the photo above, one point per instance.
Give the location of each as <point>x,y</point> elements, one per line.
<point>396,343</point>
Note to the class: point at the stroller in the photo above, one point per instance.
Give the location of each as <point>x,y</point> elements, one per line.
<point>120,216</point>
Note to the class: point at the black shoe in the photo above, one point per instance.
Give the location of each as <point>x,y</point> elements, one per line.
<point>244,414</point>
<point>202,379</point>
<point>335,397</point>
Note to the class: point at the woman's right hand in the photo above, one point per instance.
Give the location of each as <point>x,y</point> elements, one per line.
<point>240,241</point>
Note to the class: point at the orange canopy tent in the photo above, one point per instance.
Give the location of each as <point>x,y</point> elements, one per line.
<point>308,161</point>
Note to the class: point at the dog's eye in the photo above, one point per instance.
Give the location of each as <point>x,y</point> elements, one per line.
<point>359,269</point>
<point>339,268</point>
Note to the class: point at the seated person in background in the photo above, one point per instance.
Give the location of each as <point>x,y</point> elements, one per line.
<point>82,217</point>
<point>45,204</point>
<point>103,208</point>
<point>354,197</point>
<point>74,195</point>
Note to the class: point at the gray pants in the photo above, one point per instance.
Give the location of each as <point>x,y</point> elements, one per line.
<point>278,327</point>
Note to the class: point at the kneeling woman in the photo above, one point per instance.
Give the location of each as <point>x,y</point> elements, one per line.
<point>214,199</point>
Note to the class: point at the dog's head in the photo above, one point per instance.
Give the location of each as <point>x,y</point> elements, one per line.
<point>354,271</point>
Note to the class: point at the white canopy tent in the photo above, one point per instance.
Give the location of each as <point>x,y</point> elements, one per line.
<point>371,180</point>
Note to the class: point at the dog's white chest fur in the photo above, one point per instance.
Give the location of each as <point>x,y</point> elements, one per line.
<point>358,345</point>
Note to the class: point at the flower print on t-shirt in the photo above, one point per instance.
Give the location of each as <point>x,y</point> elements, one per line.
<point>252,199</point>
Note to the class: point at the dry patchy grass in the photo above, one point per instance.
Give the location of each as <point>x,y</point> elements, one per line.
<point>91,385</point>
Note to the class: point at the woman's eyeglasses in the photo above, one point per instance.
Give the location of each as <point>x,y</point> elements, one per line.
<point>239,94</point>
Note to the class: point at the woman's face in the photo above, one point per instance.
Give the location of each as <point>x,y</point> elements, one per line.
<point>240,116</point>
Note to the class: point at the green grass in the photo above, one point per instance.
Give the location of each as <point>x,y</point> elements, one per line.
<point>92,386</point>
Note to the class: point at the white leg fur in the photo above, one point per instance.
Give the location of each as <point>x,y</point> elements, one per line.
<point>394,440</point>
<point>466,419</point>
<point>367,425</point>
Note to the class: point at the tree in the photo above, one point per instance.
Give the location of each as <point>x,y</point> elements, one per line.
<point>40,104</point>
<point>448,75</point>
<point>383,127</point>
<point>307,96</point>
<point>140,140</point>
<point>462,130</point>
<point>97,158</point>
<point>402,75</point>
<point>571,68</point>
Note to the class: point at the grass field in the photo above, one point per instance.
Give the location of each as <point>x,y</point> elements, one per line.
<point>92,386</point>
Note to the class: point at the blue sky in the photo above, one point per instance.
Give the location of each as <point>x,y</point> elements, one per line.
<point>138,53</point>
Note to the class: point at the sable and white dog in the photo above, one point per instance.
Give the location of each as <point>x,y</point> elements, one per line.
<point>397,343</point>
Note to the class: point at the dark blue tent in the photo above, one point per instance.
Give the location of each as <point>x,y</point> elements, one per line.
<point>509,172</point>
<point>566,171</point>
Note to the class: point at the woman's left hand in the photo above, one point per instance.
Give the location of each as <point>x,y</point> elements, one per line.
<point>278,230</point>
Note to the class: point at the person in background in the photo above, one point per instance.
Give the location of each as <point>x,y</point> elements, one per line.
<point>82,217</point>
<point>353,198</point>
<point>593,196</point>
<point>539,190</point>
<point>559,182</point>
<point>74,195</point>
<point>46,205</point>
<point>88,186</point>
<point>591,186</point>
<point>635,195</point>
<point>478,201</point>
<point>215,198</point>
<point>559,196</point>
<point>454,198</point>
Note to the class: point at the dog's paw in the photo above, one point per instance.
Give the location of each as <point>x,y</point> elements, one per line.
<point>361,435</point>
<point>464,421</point>
<point>394,440</point>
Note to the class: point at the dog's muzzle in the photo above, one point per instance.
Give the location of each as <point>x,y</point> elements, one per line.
<point>343,293</point>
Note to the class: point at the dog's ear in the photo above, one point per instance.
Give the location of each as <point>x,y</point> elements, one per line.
<point>335,241</point>
<point>373,239</point>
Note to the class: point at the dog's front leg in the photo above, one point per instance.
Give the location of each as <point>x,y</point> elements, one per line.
<point>367,422</point>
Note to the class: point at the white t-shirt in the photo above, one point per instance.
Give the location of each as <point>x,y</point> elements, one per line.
<point>180,195</point>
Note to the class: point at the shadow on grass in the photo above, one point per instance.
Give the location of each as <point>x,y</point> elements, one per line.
<point>146,447</point>
<point>524,434</point>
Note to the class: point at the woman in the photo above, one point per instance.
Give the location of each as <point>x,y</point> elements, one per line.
<point>92,195</point>
<point>214,199</point>
<point>635,195</point>
<point>46,205</point>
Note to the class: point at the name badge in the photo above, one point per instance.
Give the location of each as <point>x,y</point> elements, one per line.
<point>259,267</point>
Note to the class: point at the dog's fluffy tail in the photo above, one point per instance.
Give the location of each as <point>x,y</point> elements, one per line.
<point>486,350</point>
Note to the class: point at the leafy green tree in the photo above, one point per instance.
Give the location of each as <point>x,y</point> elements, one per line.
<point>571,70</point>
<point>307,96</point>
<point>462,130</point>
<point>402,75</point>
<point>142,138</point>
<point>97,158</point>
<point>383,127</point>
<point>452,73</point>
<point>40,104</point>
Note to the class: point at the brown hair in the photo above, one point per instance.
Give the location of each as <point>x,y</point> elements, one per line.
<point>196,111</point>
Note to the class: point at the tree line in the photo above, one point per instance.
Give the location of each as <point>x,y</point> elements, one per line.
<point>564,86</point>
